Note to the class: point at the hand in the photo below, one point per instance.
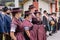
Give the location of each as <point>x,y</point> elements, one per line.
<point>44,25</point>
<point>14,39</point>
<point>6,33</point>
<point>29,35</point>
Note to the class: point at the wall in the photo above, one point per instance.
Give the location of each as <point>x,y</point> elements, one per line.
<point>26,5</point>
<point>44,6</point>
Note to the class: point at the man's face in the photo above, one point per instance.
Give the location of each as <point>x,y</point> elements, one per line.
<point>8,11</point>
<point>45,13</point>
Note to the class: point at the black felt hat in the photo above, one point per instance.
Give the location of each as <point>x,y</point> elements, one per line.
<point>27,12</point>
<point>16,10</point>
<point>31,7</point>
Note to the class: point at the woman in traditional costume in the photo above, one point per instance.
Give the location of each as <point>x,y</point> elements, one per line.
<point>38,27</point>
<point>16,31</point>
<point>28,26</point>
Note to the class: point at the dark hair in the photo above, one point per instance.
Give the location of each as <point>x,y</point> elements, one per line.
<point>27,13</point>
<point>37,13</point>
<point>36,10</point>
<point>4,9</point>
<point>44,11</point>
<point>14,13</point>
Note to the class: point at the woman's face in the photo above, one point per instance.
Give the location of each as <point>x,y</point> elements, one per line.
<point>30,17</point>
<point>18,14</point>
<point>38,15</point>
<point>33,10</point>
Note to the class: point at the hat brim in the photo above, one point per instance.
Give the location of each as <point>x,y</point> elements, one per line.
<point>20,10</point>
<point>31,7</point>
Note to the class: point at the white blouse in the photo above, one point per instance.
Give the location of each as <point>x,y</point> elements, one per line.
<point>13,27</point>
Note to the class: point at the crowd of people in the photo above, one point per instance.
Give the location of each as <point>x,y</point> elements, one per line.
<point>33,26</point>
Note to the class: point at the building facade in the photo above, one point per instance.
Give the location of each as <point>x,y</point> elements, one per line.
<point>59,6</point>
<point>49,5</point>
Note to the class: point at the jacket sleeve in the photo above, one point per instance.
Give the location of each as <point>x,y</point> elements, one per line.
<point>2,27</point>
<point>5,26</point>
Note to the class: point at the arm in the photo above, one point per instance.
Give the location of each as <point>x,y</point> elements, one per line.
<point>44,20</point>
<point>27,31</point>
<point>12,35</point>
<point>5,24</point>
<point>13,28</point>
<point>2,26</point>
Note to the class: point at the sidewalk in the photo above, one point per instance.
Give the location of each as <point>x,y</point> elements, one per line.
<point>55,36</point>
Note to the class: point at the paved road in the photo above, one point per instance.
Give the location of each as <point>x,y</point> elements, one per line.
<point>55,36</point>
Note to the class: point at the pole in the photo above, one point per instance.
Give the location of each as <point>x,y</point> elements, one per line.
<point>16,3</point>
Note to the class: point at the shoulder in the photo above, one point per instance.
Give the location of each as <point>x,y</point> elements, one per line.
<point>25,22</point>
<point>1,14</point>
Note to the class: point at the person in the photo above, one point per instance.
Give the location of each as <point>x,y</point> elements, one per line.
<point>45,20</point>
<point>17,30</point>
<point>59,22</point>
<point>2,31</point>
<point>55,20</point>
<point>50,24</point>
<point>32,10</point>
<point>39,27</point>
<point>28,26</point>
<point>7,22</point>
